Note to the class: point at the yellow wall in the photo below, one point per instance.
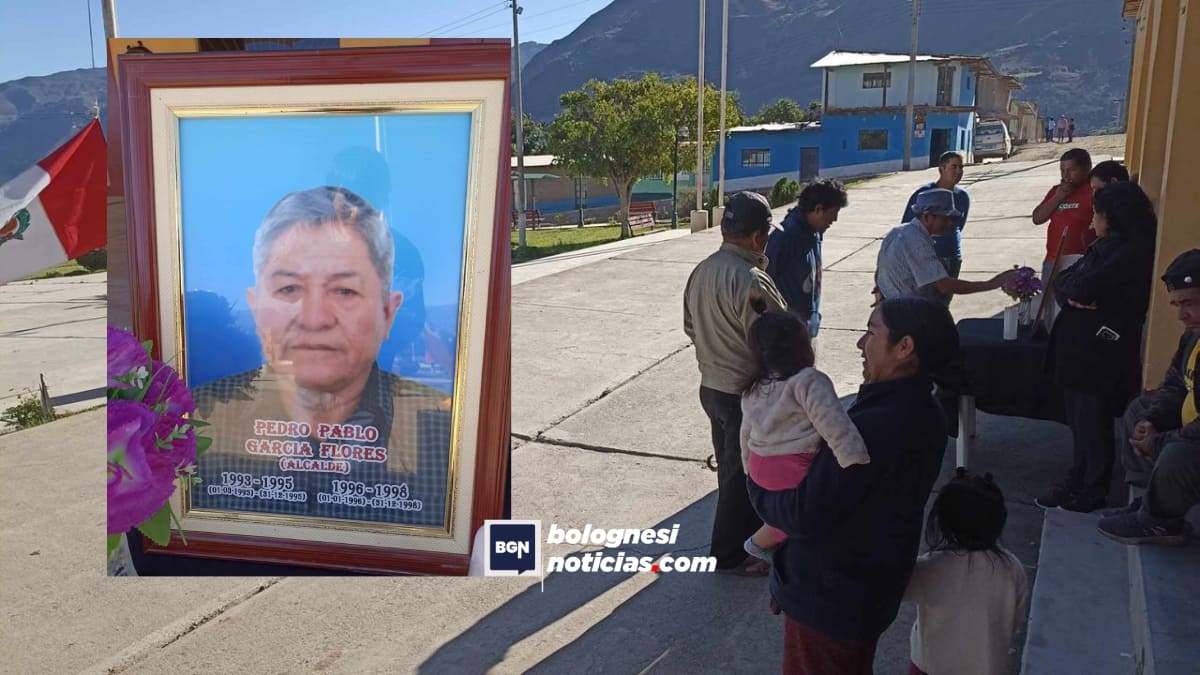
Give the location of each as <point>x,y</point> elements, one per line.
<point>1162,149</point>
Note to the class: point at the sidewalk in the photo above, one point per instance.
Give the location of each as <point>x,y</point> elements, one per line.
<point>55,328</point>
<point>608,431</point>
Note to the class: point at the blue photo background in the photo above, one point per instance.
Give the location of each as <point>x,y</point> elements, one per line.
<point>412,167</point>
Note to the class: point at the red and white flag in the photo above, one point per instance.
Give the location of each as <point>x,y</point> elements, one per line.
<point>55,210</point>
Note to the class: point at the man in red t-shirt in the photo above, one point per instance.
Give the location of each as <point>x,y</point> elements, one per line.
<point>1068,207</point>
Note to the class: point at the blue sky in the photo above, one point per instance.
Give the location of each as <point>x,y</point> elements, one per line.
<point>48,36</point>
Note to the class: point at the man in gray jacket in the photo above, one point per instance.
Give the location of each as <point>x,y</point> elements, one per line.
<point>717,317</point>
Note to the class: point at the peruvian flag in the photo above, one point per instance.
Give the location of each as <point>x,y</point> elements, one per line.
<point>55,210</point>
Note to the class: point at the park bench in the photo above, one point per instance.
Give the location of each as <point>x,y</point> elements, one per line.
<point>533,218</point>
<point>641,214</point>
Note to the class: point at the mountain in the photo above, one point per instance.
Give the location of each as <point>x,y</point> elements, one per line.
<point>37,114</point>
<point>1072,56</point>
<point>530,50</point>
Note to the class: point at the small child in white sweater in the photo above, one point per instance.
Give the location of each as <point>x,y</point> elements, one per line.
<point>788,409</point>
<point>970,591</point>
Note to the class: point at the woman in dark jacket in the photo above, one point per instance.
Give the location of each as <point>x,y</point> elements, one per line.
<point>853,532</point>
<point>1096,341</point>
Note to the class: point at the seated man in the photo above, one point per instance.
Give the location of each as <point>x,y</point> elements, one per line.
<point>1162,431</point>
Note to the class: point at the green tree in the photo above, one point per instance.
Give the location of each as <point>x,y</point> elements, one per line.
<point>782,111</point>
<point>535,136</point>
<point>814,111</point>
<point>625,129</point>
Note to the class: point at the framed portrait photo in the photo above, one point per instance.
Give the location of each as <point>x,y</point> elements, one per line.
<point>318,241</point>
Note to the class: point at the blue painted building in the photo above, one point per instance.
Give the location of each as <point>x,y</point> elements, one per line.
<point>758,156</point>
<point>864,98</point>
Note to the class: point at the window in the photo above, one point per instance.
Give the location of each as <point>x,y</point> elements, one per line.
<point>877,80</point>
<point>759,157</point>
<point>873,139</point>
<point>945,84</point>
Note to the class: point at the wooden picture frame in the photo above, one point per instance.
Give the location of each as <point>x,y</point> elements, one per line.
<point>173,109</point>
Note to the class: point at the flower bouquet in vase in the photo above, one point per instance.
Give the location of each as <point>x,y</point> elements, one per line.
<point>1022,287</point>
<point>152,443</point>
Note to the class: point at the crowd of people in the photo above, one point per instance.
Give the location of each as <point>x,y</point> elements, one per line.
<point>830,503</point>
<point>1061,131</point>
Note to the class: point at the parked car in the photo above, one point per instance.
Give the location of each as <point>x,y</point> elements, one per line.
<point>992,140</point>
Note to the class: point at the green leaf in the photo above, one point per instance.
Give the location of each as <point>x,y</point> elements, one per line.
<point>114,540</point>
<point>202,445</point>
<point>199,424</point>
<point>158,526</point>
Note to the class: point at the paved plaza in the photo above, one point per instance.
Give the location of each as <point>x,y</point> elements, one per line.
<point>607,429</point>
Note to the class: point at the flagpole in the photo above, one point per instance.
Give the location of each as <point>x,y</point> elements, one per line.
<point>109,9</point>
<point>724,68</point>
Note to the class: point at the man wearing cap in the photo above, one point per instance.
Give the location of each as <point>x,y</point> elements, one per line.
<point>1160,443</point>
<point>908,263</point>
<point>948,246</point>
<point>717,317</point>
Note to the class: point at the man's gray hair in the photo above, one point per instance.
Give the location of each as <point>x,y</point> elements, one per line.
<point>321,206</point>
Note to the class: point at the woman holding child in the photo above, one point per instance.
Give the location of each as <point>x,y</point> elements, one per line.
<point>853,527</point>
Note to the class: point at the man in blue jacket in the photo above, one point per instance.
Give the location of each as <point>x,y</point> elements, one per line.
<point>854,532</point>
<point>794,251</point>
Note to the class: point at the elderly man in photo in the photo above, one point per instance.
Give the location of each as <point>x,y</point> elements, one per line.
<point>1160,440</point>
<point>717,317</point>
<point>908,263</point>
<point>320,408</point>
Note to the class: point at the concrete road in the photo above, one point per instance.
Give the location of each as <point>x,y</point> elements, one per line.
<point>608,431</point>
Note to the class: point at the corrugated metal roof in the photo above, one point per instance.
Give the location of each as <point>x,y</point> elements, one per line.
<point>535,161</point>
<point>781,126</point>
<point>837,58</point>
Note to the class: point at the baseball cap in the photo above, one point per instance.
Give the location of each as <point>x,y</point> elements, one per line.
<point>746,213</point>
<point>937,201</point>
<point>1184,271</point>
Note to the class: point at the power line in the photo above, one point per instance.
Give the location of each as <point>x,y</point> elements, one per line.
<point>526,18</point>
<point>453,24</point>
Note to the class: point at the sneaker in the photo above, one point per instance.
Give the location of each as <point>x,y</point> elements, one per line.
<point>757,551</point>
<point>1082,504</point>
<point>1134,528</point>
<point>1056,496</point>
<point>1131,507</point>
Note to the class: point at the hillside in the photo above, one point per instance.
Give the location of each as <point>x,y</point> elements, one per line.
<point>38,113</point>
<point>1071,55</point>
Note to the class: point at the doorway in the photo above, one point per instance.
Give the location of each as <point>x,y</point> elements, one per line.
<point>939,142</point>
<point>810,161</point>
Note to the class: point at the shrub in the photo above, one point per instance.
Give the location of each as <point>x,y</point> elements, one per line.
<point>28,412</point>
<point>94,261</point>
<point>784,192</point>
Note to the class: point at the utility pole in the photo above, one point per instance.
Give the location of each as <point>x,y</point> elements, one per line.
<point>724,68</point>
<point>520,125</point>
<point>700,118</point>
<point>108,9</point>
<point>912,82</point>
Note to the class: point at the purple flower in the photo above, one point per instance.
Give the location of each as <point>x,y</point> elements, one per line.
<point>166,392</point>
<point>1024,284</point>
<point>135,490</point>
<point>128,361</point>
<point>176,450</point>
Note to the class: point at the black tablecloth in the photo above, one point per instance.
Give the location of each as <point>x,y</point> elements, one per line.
<point>1006,377</point>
